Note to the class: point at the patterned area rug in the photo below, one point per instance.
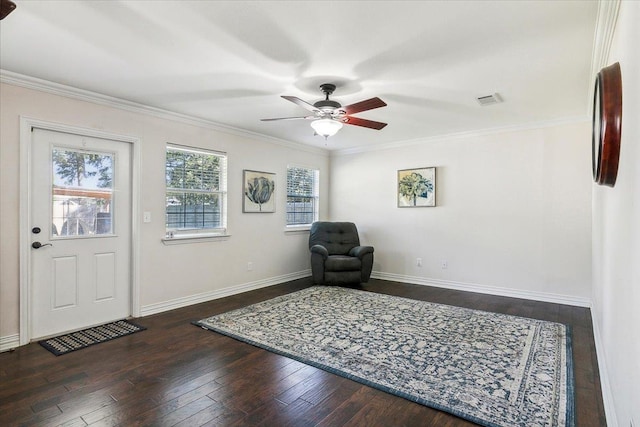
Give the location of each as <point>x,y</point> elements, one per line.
<point>491,369</point>
<point>77,340</point>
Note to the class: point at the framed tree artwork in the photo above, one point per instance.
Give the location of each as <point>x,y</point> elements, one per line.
<point>258,188</point>
<point>417,187</point>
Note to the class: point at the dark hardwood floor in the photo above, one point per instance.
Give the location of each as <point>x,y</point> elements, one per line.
<point>175,373</point>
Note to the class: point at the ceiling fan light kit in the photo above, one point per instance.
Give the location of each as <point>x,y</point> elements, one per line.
<point>329,116</point>
<point>326,127</point>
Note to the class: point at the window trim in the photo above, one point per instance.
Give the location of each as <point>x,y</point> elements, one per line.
<point>173,236</point>
<point>185,238</point>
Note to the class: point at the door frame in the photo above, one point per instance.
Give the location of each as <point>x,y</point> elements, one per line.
<point>26,140</point>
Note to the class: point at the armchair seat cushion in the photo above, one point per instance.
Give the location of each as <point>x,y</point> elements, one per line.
<point>342,263</point>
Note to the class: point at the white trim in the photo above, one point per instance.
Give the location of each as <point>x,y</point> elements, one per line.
<point>605,385</point>
<point>16,79</point>
<point>26,124</point>
<point>25,208</point>
<point>182,239</point>
<point>303,228</point>
<point>460,135</point>
<point>160,307</point>
<point>9,342</point>
<point>485,289</point>
<point>602,39</point>
<point>195,150</point>
<point>136,211</point>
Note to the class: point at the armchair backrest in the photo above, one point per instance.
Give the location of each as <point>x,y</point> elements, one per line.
<point>337,237</point>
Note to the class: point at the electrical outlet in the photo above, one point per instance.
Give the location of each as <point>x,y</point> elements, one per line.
<point>419,262</point>
<point>445,264</point>
<point>249,266</point>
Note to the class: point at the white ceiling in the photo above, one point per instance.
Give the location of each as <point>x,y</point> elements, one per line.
<point>229,62</point>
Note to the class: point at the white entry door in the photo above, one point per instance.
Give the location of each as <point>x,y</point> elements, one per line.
<point>80,228</point>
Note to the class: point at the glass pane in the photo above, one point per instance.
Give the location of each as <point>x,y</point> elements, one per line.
<point>193,211</point>
<point>301,195</point>
<point>300,181</point>
<point>174,168</point>
<point>82,193</point>
<point>300,210</point>
<point>192,170</point>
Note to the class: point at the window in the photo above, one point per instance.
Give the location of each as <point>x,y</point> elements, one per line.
<point>196,192</point>
<point>82,199</point>
<point>302,195</point>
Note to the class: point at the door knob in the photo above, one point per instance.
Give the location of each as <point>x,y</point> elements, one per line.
<point>38,245</point>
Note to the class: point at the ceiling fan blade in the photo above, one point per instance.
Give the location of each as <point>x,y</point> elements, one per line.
<point>368,104</point>
<point>288,118</point>
<point>356,121</point>
<point>301,103</point>
<point>6,7</point>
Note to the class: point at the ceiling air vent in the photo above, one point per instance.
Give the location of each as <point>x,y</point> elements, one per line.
<point>489,99</point>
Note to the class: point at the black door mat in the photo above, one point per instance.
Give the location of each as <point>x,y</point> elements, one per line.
<point>81,339</point>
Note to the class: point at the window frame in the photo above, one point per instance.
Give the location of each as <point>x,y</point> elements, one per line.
<point>315,195</point>
<point>174,235</point>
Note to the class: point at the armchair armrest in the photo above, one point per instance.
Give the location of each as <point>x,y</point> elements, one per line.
<point>360,251</point>
<point>319,249</point>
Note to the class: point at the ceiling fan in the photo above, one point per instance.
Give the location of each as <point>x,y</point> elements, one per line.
<point>6,7</point>
<point>329,116</point>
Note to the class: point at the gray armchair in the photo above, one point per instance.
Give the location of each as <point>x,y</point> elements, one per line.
<point>336,254</point>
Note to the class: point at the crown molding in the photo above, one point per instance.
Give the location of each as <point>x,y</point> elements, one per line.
<point>462,135</point>
<point>602,38</point>
<point>34,83</point>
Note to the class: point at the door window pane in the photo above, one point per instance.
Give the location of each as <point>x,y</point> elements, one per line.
<point>82,193</point>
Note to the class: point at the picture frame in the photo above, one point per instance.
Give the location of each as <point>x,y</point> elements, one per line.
<point>416,187</point>
<point>258,191</point>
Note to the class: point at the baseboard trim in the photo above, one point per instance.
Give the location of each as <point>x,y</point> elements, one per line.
<point>12,341</point>
<point>485,289</point>
<point>605,385</point>
<point>9,342</point>
<point>160,307</point>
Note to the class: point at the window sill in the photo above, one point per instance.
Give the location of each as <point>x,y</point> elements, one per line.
<point>194,238</point>
<point>297,228</point>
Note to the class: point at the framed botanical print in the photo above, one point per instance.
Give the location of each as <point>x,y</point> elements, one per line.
<point>417,187</point>
<point>259,189</point>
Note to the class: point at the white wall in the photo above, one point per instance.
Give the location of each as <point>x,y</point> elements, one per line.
<point>167,273</point>
<point>513,213</point>
<point>616,242</point>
